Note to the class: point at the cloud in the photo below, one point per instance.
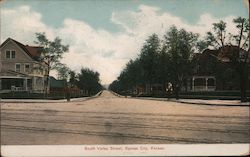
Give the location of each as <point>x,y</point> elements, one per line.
<point>101,50</point>
<point>148,20</point>
<point>22,23</point>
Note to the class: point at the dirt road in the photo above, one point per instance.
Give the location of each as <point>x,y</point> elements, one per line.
<point>109,119</point>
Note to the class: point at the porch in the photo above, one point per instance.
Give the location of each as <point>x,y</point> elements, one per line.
<point>12,84</point>
<point>202,83</point>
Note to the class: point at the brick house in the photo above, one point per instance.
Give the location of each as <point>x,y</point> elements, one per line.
<point>213,70</point>
<point>20,68</point>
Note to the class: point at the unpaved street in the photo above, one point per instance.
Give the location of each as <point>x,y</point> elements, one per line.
<point>109,119</point>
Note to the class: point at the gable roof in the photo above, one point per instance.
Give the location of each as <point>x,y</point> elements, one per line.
<point>205,55</point>
<point>33,51</point>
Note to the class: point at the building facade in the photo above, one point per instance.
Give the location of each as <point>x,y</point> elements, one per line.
<point>20,68</point>
<point>217,70</point>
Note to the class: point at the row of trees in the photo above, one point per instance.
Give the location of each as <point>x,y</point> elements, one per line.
<point>159,62</point>
<point>171,59</point>
<point>87,79</point>
<point>51,53</point>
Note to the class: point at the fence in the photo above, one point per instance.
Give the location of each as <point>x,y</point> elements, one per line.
<point>51,95</point>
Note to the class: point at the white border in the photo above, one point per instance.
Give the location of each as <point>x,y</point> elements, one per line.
<point>122,150</point>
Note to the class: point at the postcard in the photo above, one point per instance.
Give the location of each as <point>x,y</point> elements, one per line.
<point>124,78</point>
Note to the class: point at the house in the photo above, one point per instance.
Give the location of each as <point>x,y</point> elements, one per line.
<point>61,87</point>
<point>57,86</point>
<point>203,76</point>
<point>214,70</point>
<point>20,68</point>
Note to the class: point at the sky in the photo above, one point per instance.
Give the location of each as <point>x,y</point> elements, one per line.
<point>104,35</point>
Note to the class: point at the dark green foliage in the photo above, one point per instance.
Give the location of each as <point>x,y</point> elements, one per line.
<point>236,48</point>
<point>180,46</point>
<point>72,78</point>
<point>63,71</point>
<point>149,59</point>
<point>158,63</point>
<point>89,80</point>
<point>141,71</point>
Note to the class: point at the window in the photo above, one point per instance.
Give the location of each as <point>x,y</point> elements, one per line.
<point>18,67</point>
<point>10,54</point>
<point>7,54</point>
<point>13,54</point>
<point>26,68</point>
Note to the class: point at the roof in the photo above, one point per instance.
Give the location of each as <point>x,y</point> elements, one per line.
<point>224,53</point>
<point>230,51</point>
<point>33,51</point>
<point>205,55</point>
<point>9,73</point>
<point>54,83</point>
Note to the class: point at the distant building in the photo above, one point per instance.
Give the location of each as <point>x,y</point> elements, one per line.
<point>20,68</point>
<point>60,87</point>
<point>57,85</point>
<point>214,71</point>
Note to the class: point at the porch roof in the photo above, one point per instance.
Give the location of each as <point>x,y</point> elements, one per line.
<point>202,76</point>
<point>13,74</point>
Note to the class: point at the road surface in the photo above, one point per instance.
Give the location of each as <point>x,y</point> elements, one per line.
<point>109,119</point>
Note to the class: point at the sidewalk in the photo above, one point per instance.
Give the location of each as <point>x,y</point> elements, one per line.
<point>46,100</point>
<point>201,101</point>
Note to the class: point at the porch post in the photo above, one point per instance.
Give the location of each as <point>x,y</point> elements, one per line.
<point>215,83</point>
<point>206,83</point>
<point>193,83</point>
<point>25,84</point>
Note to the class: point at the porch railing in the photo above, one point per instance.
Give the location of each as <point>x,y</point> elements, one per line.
<point>13,88</point>
<point>204,88</point>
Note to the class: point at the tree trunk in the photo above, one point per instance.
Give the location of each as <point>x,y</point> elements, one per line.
<point>177,90</point>
<point>47,83</point>
<point>243,83</point>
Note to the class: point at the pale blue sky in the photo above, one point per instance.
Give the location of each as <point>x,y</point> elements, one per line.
<point>97,12</point>
<point>104,34</point>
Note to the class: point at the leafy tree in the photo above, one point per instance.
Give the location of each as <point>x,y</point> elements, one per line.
<point>148,58</point>
<point>130,76</point>
<point>72,78</point>
<point>217,39</point>
<point>63,71</point>
<point>180,46</point>
<point>115,86</point>
<point>236,49</point>
<point>51,53</point>
<point>163,64</point>
<point>89,80</point>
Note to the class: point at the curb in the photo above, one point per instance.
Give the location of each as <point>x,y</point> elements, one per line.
<point>53,101</point>
<point>193,103</point>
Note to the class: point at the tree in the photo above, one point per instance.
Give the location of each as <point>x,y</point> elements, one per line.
<point>148,58</point>
<point>163,64</point>
<point>157,63</point>
<point>51,53</point>
<point>236,49</point>
<point>180,46</point>
<point>63,72</point>
<point>217,39</point>
<point>130,76</point>
<point>89,80</point>
<point>72,78</point>
<point>115,86</point>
